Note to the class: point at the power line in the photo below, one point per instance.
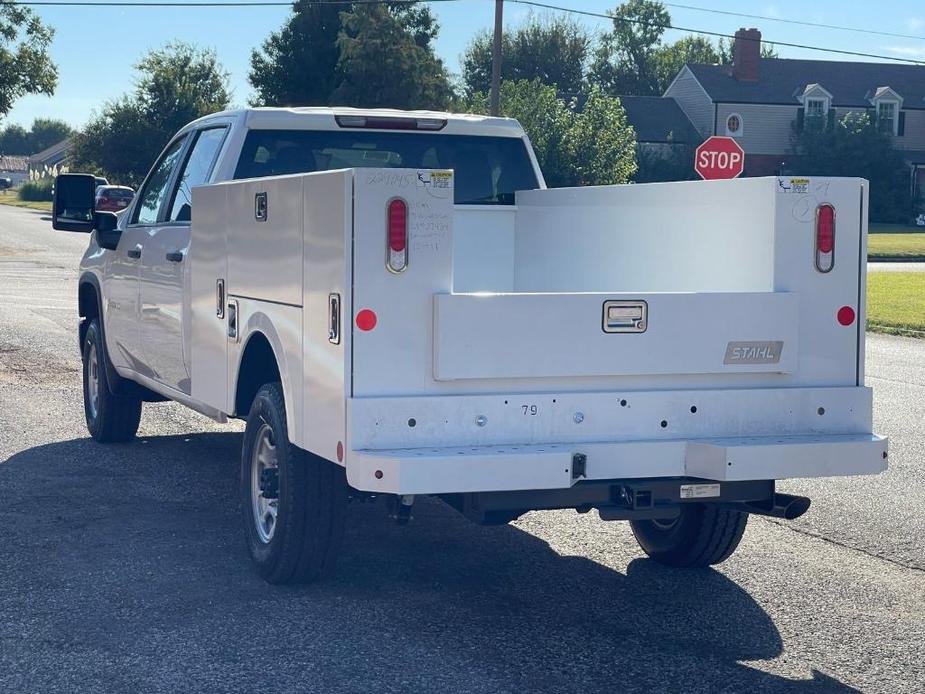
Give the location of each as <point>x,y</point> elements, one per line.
<point>688,30</point>
<point>531,3</point>
<point>817,25</point>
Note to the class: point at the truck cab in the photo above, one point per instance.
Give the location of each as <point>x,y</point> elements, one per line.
<point>399,307</point>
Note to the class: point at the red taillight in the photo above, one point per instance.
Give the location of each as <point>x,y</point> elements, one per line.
<point>825,238</point>
<point>397,230</point>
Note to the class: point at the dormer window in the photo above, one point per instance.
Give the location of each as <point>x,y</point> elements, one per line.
<point>887,116</point>
<point>887,105</point>
<point>817,101</point>
<point>816,108</point>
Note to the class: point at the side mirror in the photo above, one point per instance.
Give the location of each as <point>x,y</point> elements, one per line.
<point>72,209</point>
<point>107,230</point>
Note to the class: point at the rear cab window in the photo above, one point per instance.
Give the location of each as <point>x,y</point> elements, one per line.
<point>489,170</point>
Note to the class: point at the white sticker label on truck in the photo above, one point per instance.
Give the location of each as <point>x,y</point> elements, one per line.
<point>699,491</point>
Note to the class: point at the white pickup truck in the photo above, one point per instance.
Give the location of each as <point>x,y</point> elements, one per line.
<point>399,307</point>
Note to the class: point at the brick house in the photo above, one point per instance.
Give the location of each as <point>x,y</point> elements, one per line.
<point>759,101</point>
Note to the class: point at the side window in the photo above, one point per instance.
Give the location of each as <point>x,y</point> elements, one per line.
<point>195,172</point>
<point>155,191</point>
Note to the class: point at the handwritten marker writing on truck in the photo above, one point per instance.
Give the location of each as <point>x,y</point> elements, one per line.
<point>398,307</point>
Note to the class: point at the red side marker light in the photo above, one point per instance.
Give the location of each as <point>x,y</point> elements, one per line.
<point>846,315</point>
<point>366,319</point>
<point>340,451</point>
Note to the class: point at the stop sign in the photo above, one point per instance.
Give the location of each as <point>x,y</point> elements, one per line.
<point>719,157</point>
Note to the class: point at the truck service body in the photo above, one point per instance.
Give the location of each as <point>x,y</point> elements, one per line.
<point>437,322</point>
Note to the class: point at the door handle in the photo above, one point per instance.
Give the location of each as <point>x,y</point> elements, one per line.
<point>175,256</point>
<point>133,253</point>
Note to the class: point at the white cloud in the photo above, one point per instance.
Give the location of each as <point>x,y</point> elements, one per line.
<point>915,24</point>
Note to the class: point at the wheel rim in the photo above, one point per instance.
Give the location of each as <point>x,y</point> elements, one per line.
<point>665,524</point>
<point>264,484</point>
<point>93,381</point>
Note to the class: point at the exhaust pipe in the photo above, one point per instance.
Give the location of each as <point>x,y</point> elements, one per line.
<point>786,506</point>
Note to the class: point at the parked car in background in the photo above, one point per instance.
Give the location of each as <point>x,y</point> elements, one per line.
<point>6,183</point>
<point>113,198</point>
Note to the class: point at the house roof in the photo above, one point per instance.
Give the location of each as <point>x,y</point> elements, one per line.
<point>655,118</point>
<point>13,162</point>
<point>781,80</point>
<point>50,152</point>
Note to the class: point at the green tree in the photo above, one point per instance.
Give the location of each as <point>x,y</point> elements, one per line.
<point>387,59</point>
<point>297,65</point>
<point>624,60</point>
<point>553,50</point>
<point>176,85</point>
<point>14,139</point>
<point>340,53</point>
<point>46,132</point>
<point>668,59</point>
<point>855,146</point>
<point>25,66</point>
<point>575,147</point>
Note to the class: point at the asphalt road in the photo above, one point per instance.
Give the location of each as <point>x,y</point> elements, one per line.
<point>122,568</point>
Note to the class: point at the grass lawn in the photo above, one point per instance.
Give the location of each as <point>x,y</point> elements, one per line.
<point>903,245</point>
<point>896,302</point>
<point>9,197</point>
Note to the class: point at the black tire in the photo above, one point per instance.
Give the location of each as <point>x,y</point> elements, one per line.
<point>701,536</point>
<point>110,418</point>
<point>310,495</point>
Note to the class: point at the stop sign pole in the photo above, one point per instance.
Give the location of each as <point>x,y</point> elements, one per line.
<point>719,157</point>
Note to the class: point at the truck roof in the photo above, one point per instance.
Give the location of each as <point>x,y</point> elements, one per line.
<point>323,118</point>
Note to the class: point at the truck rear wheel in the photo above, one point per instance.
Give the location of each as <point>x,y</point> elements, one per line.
<point>293,503</point>
<point>702,535</point>
<point>110,418</point>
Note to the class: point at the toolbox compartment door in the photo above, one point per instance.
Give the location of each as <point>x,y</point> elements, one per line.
<point>479,336</point>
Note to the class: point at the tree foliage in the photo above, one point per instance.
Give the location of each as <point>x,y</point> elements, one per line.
<point>624,60</point>
<point>553,50</point>
<point>387,60</point>
<point>632,59</point>
<point>855,146</point>
<point>25,66</point>
<point>176,84</point>
<point>297,65</point>
<point>44,133</point>
<point>593,145</point>
<point>352,55</point>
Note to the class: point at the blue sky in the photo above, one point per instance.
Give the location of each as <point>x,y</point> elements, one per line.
<point>96,47</point>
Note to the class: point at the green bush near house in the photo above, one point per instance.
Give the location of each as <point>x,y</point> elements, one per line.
<point>37,191</point>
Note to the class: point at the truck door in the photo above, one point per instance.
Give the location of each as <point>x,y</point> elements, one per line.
<point>165,313</point>
<point>122,291</point>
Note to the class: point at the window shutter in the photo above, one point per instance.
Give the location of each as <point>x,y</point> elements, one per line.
<point>801,117</point>
<point>901,128</point>
<point>831,118</point>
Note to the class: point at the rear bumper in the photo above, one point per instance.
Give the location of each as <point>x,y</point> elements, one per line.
<point>557,466</point>
<point>442,444</point>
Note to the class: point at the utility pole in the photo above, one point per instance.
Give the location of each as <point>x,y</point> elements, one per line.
<point>496,60</point>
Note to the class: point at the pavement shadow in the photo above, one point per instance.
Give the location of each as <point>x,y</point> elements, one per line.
<point>137,549</point>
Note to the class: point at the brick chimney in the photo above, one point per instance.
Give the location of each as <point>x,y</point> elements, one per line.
<point>746,57</point>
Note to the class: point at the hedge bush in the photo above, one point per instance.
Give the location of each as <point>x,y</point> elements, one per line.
<point>37,191</point>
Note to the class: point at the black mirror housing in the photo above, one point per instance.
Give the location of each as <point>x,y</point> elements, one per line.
<point>107,230</point>
<point>73,206</point>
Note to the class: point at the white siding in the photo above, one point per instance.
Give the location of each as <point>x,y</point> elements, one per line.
<point>693,100</point>
<point>765,129</point>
